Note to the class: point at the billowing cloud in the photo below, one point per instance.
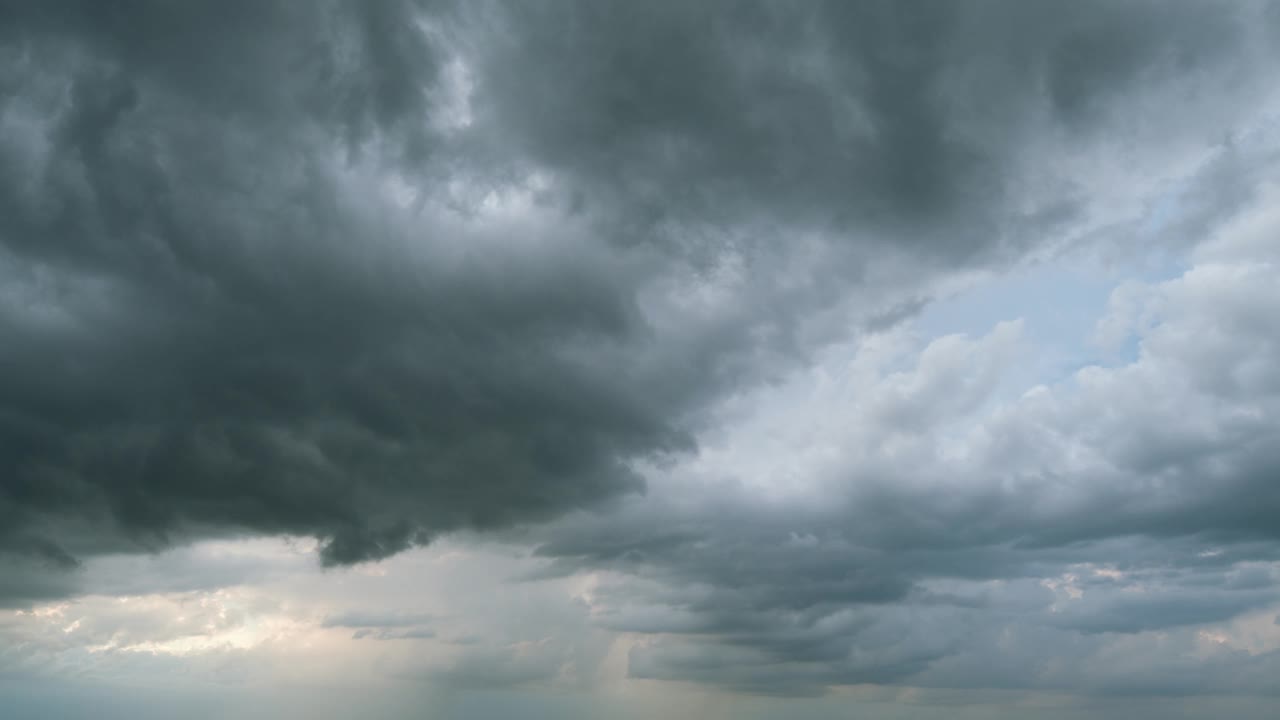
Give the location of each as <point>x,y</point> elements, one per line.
<point>652,293</point>
<point>936,507</point>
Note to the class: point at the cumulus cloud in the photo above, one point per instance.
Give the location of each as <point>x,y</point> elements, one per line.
<point>1160,469</point>
<point>633,285</point>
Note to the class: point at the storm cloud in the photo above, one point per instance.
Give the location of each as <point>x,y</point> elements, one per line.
<point>637,287</point>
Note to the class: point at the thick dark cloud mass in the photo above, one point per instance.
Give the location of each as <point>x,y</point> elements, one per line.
<point>371,272</point>
<point>213,324</point>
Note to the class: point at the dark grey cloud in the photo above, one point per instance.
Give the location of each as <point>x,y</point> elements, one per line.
<point>364,619</point>
<point>412,633</point>
<point>373,272</point>
<point>903,123</point>
<point>212,328</point>
<point>1136,613</point>
<point>383,625</point>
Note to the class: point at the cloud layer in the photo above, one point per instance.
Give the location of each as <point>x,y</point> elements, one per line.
<point>640,287</point>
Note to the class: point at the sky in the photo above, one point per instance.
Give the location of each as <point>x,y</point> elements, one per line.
<point>557,359</point>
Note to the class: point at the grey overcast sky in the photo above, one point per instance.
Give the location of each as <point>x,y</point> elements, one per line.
<point>554,359</point>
